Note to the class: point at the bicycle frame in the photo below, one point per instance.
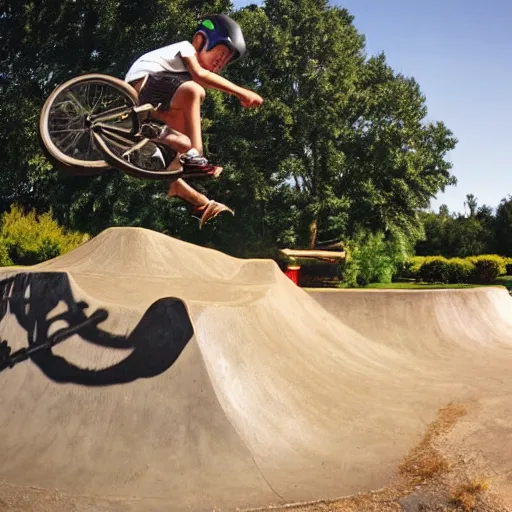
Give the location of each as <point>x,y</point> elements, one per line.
<point>129,140</point>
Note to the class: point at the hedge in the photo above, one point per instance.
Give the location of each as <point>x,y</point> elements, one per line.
<point>488,267</point>
<point>482,269</point>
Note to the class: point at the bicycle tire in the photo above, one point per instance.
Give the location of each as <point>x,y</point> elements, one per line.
<point>131,169</point>
<point>69,163</point>
<point>71,169</point>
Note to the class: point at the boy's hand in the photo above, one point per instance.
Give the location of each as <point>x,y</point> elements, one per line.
<point>250,99</point>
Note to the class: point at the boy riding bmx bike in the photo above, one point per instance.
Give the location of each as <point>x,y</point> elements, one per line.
<point>174,78</point>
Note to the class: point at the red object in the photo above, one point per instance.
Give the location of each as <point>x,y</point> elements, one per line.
<point>293,273</point>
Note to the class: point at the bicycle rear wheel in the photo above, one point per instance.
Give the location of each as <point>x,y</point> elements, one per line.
<point>66,121</point>
<point>140,158</point>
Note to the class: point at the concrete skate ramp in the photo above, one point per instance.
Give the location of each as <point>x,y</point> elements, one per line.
<point>189,380</point>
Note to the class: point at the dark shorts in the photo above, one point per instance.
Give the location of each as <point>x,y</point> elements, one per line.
<point>161,88</point>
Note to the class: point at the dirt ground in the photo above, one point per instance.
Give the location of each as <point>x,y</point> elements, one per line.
<point>438,475</point>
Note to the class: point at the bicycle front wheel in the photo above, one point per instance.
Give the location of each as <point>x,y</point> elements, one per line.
<point>66,126</point>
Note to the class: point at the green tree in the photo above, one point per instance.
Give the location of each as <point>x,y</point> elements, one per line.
<point>344,134</point>
<point>436,228</point>
<point>485,215</point>
<point>504,227</point>
<point>472,203</point>
<point>44,43</point>
<point>452,235</point>
<point>465,238</point>
<point>340,144</point>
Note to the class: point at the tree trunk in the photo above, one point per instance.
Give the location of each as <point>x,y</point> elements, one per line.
<point>313,232</point>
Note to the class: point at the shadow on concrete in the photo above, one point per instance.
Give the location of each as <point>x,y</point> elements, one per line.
<point>155,343</point>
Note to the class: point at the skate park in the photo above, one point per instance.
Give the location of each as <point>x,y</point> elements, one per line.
<point>187,385</point>
<point>255,256</point>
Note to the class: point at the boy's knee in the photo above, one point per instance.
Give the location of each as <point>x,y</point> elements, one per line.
<point>192,90</point>
<point>177,140</point>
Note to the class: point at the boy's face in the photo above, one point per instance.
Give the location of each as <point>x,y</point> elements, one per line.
<point>215,59</point>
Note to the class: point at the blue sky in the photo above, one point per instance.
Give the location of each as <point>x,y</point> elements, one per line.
<point>460,53</point>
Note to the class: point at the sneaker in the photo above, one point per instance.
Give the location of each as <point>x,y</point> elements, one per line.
<point>157,154</point>
<point>210,210</point>
<point>196,165</point>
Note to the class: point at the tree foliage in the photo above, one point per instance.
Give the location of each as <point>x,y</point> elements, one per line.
<point>339,146</point>
<point>480,231</point>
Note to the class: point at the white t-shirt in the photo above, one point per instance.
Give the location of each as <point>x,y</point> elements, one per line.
<point>168,58</point>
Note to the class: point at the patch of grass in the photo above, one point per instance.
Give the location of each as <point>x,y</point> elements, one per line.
<point>422,466</point>
<point>505,281</point>
<point>466,495</point>
<point>424,462</point>
<point>418,286</point>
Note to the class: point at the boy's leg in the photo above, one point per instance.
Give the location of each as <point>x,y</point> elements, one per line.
<point>178,141</point>
<point>184,118</point>
<point>184,114</point>
<point>206,208</point>
<point>174,118</point>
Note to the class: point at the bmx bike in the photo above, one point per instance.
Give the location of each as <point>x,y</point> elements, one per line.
<point>93,123</point>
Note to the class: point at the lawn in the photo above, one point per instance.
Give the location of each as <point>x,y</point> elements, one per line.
<point>501,281</point>
<point>417,286</point>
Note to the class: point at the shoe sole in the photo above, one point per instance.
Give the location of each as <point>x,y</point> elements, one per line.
<point>210,212</point>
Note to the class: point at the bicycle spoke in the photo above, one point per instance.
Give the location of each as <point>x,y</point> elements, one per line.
<point>72,144</point>
<point>90,115</point>
<point>97,103</point>
<point>64,140</point>
<point>82,130</point>
<point>76,102</point>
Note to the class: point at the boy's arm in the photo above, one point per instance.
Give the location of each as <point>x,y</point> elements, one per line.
<point>213,81</point>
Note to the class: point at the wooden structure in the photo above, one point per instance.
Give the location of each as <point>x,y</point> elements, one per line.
<point>330,256</point>
<point>329,252</point>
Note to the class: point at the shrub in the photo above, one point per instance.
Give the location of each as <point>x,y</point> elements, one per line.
<point>409,268</point>
<point>5,259</point>
<point>371,258</point>
<point>369,261</point>
<point>488,267</point>
<point>438,269</point>
<point>435,269</point>
<point>31,238</point>
<point>460,270</point>
<point>349,271</point>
